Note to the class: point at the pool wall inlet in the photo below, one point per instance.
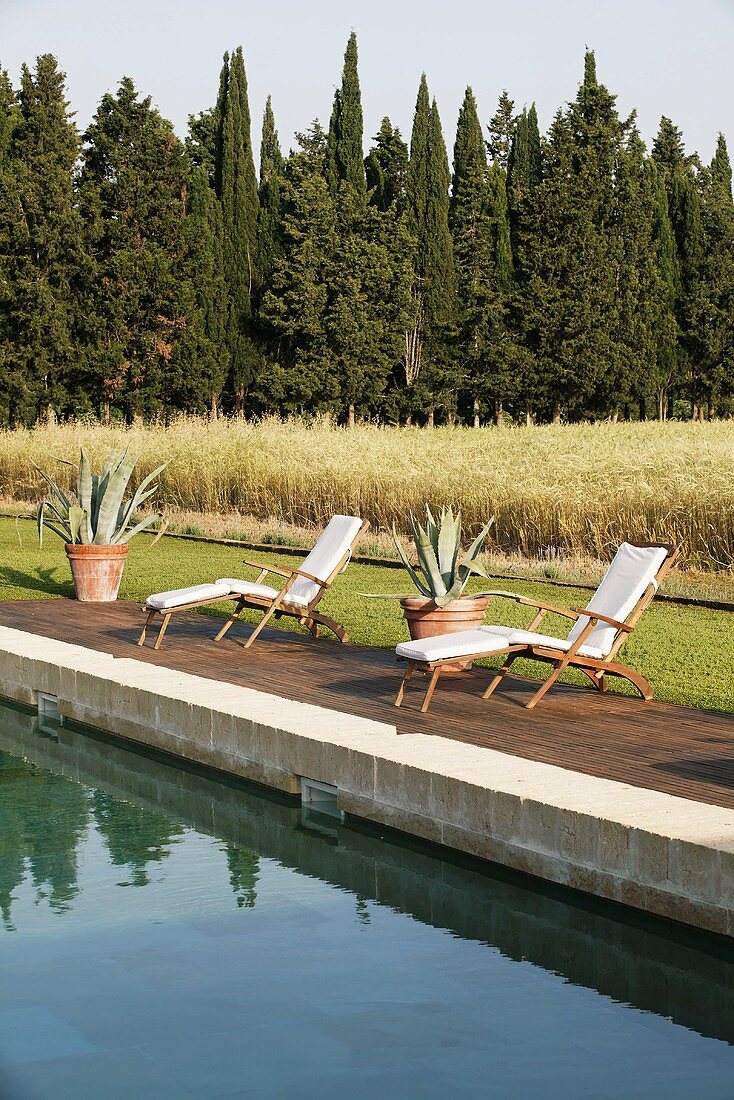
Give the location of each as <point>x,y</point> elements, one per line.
<point>656,852</point>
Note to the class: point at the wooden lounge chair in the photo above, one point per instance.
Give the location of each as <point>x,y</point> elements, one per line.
<point>297,598</point>
<point>592,645</point>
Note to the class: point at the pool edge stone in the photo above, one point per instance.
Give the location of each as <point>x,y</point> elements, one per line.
<point>660,853</point>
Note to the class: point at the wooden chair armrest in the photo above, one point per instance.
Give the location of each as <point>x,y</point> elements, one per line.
<point>308,576</point>
<point>597,616</point>
<point>269,568</point>
<point>548,607</point>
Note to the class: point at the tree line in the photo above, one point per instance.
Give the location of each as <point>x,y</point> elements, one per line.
<point>569,275</point>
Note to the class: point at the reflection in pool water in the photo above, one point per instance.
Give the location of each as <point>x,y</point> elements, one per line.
<point>170,934</point>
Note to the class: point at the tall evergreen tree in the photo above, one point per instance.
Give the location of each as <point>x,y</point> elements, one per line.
<point>340,296</point>
<point>386,168</point>
<point>271,179</point>
<point>715,304</point>
<point>42,237</point>
<point>238,193</point>
<point>201,360</point>
<point>133,195</point>
<point>480,231</point>
<point>501,131</point>
<point>572,260</point>
<point>665,367</point>
<point>345,144</point>
<point>428,366</point>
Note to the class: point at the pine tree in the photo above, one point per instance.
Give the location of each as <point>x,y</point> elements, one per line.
<point>345,144</point>
<point>133,195</point>
<point>238,193</point>
<point>386,168</point>
<point>428,206</point>
<point>42,240</point>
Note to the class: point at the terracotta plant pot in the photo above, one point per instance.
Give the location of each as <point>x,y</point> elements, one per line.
<point>426,620</point>
<point>97,571</point>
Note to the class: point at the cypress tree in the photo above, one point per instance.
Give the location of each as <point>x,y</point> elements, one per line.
<point>345,145</point>
<point>42,237</point>
<point>386,168</point>
<point>435,289</point>
<point>238,193</point>
<point>715,315</point>
<point>666,364</point>
<point>470,216</point>
<point>631,375</point>
<point>201,358</point>
<point>501,131</point>
<point>271,177</point>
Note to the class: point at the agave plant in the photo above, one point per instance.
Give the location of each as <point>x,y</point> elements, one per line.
<point>443,571</point>
<point>98,513</point>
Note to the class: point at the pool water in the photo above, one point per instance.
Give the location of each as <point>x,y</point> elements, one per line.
<point>165,933</point>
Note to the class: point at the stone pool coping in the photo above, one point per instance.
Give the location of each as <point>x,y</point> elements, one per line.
<point>660,853</point>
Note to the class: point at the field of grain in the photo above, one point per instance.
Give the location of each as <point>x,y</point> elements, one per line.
<point>553,490</point>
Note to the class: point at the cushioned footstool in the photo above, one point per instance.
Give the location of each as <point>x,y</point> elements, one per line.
<point>437,654</point>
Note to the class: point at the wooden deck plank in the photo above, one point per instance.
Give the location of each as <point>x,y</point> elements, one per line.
<point>677,750</point>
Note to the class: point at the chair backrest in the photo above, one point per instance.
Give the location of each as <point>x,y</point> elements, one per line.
<point>630,574</point>
<point>334,543</point>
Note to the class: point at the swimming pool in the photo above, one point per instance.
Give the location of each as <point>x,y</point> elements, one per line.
<point>167,933</point>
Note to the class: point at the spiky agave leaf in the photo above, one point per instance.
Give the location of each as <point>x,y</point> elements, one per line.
<point>428,563</point>
<point>121,537</point>
<point>449,544</point>
<point>60,495</point>
<point>84,482</point>
<point>468,564</point>
<point>109,507</point>
<point>417,581</point>
<point>77,516</point>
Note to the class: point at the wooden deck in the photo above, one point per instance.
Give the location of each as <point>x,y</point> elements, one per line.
<point>678,750</point>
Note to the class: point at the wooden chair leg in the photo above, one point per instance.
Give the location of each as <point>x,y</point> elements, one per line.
<point>148,620</point>
<point>639,681</point>
<point>336,628</point>
<point>162,631</point>
<point>268,614</point>
<point>230,621</point>
<point>401,689</point>
<point>548,683</point>
<point>500,675</point>
<point>431,688</point>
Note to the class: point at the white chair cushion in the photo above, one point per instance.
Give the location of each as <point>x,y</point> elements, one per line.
<point>462,644</point>
<point>334,542</point>
<point>513,636</point>
<point>625,581</point>
<point>249,588</point>
<point>163,601</point>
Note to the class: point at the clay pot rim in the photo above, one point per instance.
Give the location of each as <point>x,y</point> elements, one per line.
<point>96,550</point>
<point>415,603</point>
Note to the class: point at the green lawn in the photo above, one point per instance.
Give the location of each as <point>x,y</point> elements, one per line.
<point>687,653</point>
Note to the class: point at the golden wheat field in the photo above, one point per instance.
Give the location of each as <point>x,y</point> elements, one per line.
<point>574,489</point>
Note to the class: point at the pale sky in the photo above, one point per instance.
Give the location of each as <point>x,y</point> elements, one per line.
<point>672,57</point>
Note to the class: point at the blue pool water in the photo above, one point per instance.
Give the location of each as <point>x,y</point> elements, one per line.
<point>168,934</point>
